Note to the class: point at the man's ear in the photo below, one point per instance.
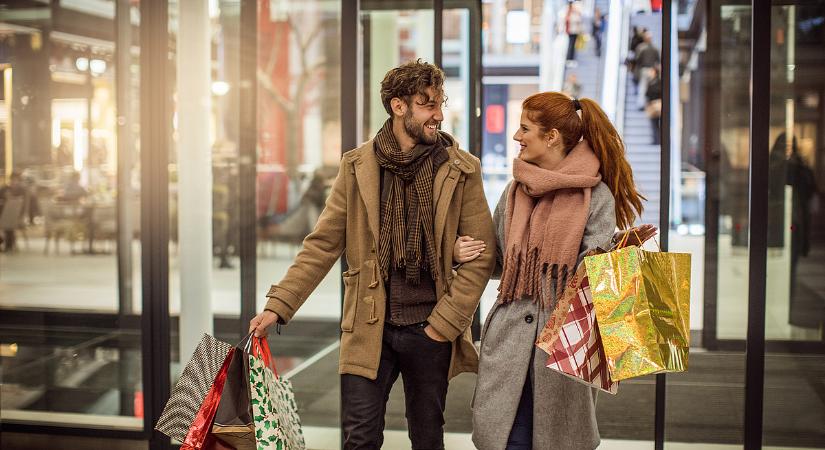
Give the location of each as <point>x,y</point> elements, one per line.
<point>398,106</point>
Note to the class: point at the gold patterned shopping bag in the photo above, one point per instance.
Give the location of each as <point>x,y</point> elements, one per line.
<point>642,302</point>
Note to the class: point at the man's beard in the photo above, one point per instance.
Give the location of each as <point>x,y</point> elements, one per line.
<point>416,130</point>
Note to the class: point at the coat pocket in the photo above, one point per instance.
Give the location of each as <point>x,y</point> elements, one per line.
<point>350,299</point>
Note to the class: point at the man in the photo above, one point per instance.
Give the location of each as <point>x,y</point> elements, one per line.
<point>647,57</point>
<point>396,208</point>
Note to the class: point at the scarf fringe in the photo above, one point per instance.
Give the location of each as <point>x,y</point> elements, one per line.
<point>525,277</point>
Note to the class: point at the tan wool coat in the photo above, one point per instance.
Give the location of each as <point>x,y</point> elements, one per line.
<point>350,223</point>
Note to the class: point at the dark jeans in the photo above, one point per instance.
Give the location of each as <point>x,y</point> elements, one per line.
<point>8,240</point>
<point>571,47</point>
<point>521,435</point>
<point>423,365</point>
<point>655,126</point>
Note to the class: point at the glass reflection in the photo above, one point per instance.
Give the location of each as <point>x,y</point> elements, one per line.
<point>70,219</point>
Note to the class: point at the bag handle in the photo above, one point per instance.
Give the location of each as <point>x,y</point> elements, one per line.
<point>623,242</point>
<point>260,349</point>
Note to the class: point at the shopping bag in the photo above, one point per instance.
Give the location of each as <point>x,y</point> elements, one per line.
<point>277,425</point>
<point>233,422</point>
<point>192,386</point>
<point>642,304</point>
<point>581,42</point>
<point>653,109</point>
<point>550,332</point>
<point>575,347</point>
<point>199,429</point>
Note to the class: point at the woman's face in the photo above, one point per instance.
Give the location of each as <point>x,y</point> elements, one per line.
<point>537,147</point>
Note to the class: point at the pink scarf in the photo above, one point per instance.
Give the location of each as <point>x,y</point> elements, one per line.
<point>547,211</point>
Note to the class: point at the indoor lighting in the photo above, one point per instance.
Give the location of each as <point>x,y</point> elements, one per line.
<point>220,88</point>
<point>98,66</point>
<point>82,64</point>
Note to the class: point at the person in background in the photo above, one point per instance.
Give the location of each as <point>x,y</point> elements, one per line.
<point>572,87</point>
<point>647,56</point>
<point>598,29</point>
<point>14,189</point>
<point>636,39</point>
<point>72,191</point>
<point>653,103</point>
<point>573,26</point>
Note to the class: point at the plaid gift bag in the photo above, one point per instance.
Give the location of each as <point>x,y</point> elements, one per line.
<point>577,350</point>
<point>192,386</point>
<point>198,437</point>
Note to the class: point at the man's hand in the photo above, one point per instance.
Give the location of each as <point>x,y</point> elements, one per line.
<point>467,249</point>
<point>434,335</point>
<point>260,323</point>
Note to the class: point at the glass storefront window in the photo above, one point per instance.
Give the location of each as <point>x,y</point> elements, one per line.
<point>299,150</point>
<point>794,409</point>
<point>70,217</point>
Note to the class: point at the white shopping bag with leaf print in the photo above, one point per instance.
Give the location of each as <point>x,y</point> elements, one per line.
<point>274,411</point>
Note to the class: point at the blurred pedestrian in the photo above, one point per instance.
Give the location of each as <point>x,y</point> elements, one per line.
<point>13,194</point>
<point>653,103</point>
<point>72,191</point>
<point>636,39</point>
<point>647,56</point>
<point>598,28</point>
<point>571,86</point>
<point>573,26</point>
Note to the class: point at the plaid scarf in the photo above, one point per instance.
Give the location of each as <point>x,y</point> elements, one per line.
<point>408,179</point>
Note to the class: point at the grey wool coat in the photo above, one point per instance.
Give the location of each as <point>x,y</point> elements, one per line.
<point>564,410</point>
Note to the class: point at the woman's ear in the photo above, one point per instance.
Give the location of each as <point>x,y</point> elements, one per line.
<point>551,137</point>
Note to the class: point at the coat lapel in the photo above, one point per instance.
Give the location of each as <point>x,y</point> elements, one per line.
<point>444,185</point>
<point>367,175</point>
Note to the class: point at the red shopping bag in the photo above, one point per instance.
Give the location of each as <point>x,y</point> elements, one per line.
<point>198,437</point>
<point>577,350</point>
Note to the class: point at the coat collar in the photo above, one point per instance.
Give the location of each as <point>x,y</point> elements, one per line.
<point>368,173</point>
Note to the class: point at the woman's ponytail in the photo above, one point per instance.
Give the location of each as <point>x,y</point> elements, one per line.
<point>615,169</point>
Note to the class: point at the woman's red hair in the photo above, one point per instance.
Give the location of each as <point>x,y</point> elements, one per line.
<point>556,110</point>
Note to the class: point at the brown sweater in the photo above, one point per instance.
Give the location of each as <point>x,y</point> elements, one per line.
<point>407,303</point>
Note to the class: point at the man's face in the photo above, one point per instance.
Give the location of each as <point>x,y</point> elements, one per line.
<point>423,116</point>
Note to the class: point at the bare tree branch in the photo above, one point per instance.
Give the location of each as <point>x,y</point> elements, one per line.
<point>266,82</point>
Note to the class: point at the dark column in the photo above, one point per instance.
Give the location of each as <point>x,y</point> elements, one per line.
<point>155,138</point>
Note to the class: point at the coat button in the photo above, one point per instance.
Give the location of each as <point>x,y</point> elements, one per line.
<point>456,162</point>
<point>528,318</point>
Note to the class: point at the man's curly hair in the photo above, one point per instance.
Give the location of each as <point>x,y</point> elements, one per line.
<point>410,78</point>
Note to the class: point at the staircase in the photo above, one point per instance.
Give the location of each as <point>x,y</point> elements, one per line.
<point>644,157</point>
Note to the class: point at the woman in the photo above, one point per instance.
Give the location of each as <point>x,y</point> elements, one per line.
<point>572,185</point>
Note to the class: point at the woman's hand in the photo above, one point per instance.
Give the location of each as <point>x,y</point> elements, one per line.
<point>636,235</point>
<point>467,249</point>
